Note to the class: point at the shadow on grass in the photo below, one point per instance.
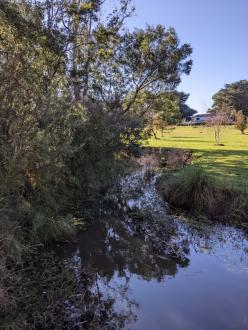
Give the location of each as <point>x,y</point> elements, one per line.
<point>178,140</point>
<point>223,163</point>
<point>235,159</point>
<point>187,137</point>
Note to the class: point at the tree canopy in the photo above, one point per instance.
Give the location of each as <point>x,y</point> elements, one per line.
<point>186,111</point>
<point>75,85</point>
<point>71,86</point>
<point>234,95</point>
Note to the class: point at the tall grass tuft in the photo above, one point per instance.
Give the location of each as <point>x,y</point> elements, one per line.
<point>53,228</point>
<point>194,190</point>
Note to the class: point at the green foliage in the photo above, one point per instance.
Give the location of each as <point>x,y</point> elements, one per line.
<point>241,121</point>
<point>166,106</point>
<point>186,111</point>
<point>66,124</point>
<point>65,119</point>
<point>234,95</point>
<point>91,152</point>
<point>131,63</point>
<point>160,109</point>
<point>49,228</point>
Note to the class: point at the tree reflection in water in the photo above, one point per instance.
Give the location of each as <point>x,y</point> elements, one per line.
<point>106,257</point>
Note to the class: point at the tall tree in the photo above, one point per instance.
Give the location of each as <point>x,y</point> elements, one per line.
<point>186,111</point>
<point>68,105</point>
<point>234,95</point>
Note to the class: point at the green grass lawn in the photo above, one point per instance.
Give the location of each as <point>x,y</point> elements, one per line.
<point>229,161</point>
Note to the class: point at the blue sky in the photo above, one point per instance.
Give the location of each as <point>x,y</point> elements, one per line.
<point>218,33</point>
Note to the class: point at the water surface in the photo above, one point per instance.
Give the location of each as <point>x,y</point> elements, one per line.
<point>197,278</point>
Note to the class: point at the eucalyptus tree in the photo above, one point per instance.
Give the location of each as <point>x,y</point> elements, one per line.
<point>235,95</point>
<point>186,111</point>
<point>70,80</point>
<point>67,109</point>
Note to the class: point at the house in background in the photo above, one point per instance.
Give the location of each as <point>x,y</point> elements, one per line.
<point>200,119</point>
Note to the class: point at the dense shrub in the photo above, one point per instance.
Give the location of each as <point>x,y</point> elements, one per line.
<point>66,120</point>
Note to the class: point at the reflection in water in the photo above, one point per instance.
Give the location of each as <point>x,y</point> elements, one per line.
<point>104,262</point>
<point>126,284</point>
<point>158,272</point>
<point>107,247</point>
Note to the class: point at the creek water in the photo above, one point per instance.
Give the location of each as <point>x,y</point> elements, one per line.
<point>141,268</point>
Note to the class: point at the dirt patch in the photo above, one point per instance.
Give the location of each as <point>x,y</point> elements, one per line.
<point>153,158</point>
<point>150,158</point>
<point>177,159</point>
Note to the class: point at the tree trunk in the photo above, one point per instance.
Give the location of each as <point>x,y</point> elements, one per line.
<point>155,135</point>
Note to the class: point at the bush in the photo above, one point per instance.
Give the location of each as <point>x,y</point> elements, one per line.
<point>49,228</point>
<point>194,190</point>
<point>11,251</point>
<point>241,122</point>
<point>23,262</point>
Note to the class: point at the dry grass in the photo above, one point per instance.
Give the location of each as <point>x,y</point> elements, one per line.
<point>194,190</point>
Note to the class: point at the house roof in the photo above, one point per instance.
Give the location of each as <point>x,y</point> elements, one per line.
<point>202,115</point>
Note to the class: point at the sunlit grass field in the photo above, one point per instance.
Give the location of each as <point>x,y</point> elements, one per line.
<point>226,162</point>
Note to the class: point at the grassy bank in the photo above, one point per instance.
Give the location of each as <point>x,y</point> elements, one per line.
<point>195,191</point>
<point>215,185</point>
<point>229,162</point>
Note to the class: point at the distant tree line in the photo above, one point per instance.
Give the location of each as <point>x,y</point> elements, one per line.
<point>232,100</point>
<point>233,96</point>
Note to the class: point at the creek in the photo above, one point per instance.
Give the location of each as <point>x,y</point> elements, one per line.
<point>140,267</point>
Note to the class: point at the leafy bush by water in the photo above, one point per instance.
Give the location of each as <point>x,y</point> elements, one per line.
<point>49,228</point>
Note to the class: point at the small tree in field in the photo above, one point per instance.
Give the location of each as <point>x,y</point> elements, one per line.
<point>217,121</point>
<point>241,121</point>
<point>156,125</point>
